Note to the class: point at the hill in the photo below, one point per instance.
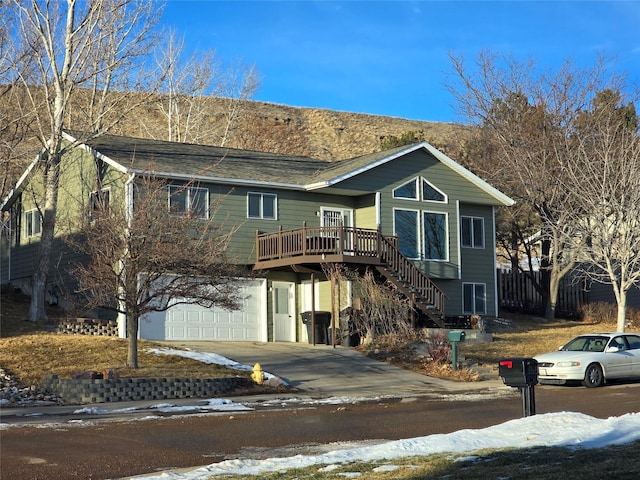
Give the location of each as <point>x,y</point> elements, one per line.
<point>336,135</point>
<point>320,133</point>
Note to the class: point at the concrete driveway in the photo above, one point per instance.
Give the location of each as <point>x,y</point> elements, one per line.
<point>325,371</point>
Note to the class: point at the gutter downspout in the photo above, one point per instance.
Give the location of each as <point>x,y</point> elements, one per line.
<point>128,203</point>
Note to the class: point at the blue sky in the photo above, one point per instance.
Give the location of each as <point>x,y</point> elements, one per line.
<point>390,57</point>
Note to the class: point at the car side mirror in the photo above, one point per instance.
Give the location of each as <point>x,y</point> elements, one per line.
<point>612,349</point>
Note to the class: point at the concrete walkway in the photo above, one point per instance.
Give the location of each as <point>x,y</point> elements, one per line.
<point>325,371</point>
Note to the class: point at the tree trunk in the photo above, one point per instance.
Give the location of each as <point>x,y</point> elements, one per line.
<point>545,280</point>
<point>622,311</point>
<point>132,334</point>
<point>39,279</point>
<point>554,286</point>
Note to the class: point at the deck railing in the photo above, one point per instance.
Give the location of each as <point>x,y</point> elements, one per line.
<point>317,241</point>
<point>358,242</point>
<point>423,289</point>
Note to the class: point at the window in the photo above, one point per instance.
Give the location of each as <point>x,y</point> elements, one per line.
<point>434,227</point>
<point>472,232</point>
<point>474,299</point>
<point>410,191</point>
<point>431,193</point>
<point>406,228</point>
<point>32,223</point>
<point>421,235</point>
<point>191,200</point>
<point>98,204</point>
<point>261,205</point>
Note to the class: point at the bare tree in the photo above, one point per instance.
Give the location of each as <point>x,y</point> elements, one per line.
<point>238,86</point>
<point>149,259</point>
<point>384,310</point>
<point>182,100</point>
<point>66,50</point>
<point>199,100</point>
<point>531,116</point>
<point>607,174</point>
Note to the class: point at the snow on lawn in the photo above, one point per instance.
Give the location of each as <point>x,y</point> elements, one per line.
<point>551,429</point>
<point>208,358</point>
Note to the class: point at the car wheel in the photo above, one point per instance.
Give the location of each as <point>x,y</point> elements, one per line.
<point>593,376</point>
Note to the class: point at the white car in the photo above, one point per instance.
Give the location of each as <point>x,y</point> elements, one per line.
<point>592,359</point>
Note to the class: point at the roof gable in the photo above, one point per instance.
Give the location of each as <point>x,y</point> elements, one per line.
<point>347,169</point>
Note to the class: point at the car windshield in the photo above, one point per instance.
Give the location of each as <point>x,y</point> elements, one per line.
<point>587,344</point>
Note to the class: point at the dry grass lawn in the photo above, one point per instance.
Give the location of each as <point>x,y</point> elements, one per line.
<point>30,352</point>
<point>531,337</point>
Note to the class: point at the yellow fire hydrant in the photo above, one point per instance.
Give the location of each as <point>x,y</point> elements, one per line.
<point>258,374</point>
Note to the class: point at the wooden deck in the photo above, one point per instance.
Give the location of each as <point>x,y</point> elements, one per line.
<point>318,245</point>
<point>307,247</point>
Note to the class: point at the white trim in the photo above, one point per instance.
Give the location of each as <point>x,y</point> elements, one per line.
<point>446,235</point>
<point>28,234</point>
<point>188,189</point>
<point>417,225</point>
<point>495,263</point>
<point>459,241</point>
<point>378,207</point>
<point>262,195</point>
<point>474,298</point>
<point>473,236</point>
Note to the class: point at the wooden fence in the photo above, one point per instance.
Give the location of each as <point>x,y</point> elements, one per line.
<point>516,292</point>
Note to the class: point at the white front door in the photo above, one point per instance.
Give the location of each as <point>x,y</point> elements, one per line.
<point>284,317</point>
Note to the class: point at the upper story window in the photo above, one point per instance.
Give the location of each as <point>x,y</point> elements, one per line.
<point>419,189</point>
<point>261,205</point>
<point>32,223</point>
<point>189,200</point>
<point>421,234</point>
<point>98,204</point>
<point>472,232</point>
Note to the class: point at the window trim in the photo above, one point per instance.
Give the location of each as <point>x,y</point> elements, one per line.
<point>419,182</point>
<point>187,190</point>
<point>446,235</point>
<point>417,230</point>
<point>474,311</point>
<point>473,235</point>
<point>420,240</point>
<point>417,189</point>
<point>31,232</point>
<point>444,195</point>
<point>262,196</point>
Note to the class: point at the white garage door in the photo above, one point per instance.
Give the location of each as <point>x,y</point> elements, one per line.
<point>193,322</point>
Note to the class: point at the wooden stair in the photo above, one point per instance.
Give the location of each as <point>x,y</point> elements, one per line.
<point>309,246</point>
<point>408,279</point>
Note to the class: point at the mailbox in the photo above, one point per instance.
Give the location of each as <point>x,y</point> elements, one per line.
<point>456,336</point>
<point>518,372</point>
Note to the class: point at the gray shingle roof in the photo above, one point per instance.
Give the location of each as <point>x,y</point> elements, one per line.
<point>171,158</point>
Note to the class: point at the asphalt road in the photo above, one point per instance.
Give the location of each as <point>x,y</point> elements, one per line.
<point>116,449</point>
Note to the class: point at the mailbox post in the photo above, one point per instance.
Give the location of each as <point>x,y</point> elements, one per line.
<point>523,374</point>
<point>455,337</point>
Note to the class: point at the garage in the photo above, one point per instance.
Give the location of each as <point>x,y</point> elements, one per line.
<point>193,322</point>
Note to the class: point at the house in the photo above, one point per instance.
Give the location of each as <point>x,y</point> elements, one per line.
<point>422,221</point>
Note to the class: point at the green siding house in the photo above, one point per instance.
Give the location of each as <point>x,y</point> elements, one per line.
<point>415,216</point>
